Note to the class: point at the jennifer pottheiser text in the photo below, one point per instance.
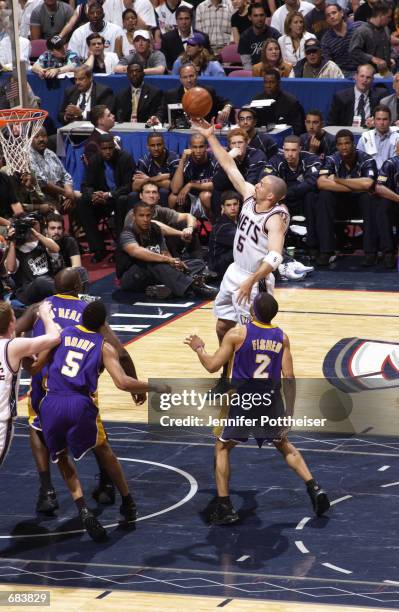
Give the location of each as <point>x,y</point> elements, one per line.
<point>240,421</point>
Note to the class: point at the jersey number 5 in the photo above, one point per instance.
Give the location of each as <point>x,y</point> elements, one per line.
<point>240,243</point>
<point>264,362</point>
<point>72,364</point>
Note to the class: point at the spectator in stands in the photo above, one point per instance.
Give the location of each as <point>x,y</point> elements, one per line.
<point>314,65</point>
<point>145,260</point>
<point>56,60</point>
<point>25,15</point>
<point>221,239</point>
<point>158,166</point>
<point>192,183</point>
<point>80,99</point>
<point>381,142</point>
<point>299,169</point>
<point>271,57</point>
<point>213,18</point>
<point>28,192</point>
<point>252,40</point>
<point>153,62</point>
<point>69,254</point>
<point>292,43</point>
<point>371,42</point>
<point>279,16</point>
<point>336,40</point>
<point>28,260</point>
<point>392,101</point>
<point>55,182</point>
<point>358,101</point>
<point>167,14</point>
<point>140,102</point>
<point>48,18</point>
<point>316,140</point>
<point>315,21</point>
<point>221,108</point>
<point>98,61</point>
<point>130,25</point>
<point>250,162</point>
<point>6,50</point>
<point>103,120</point>
<point>364,11</point>
<point>9,204</point>
<point>197,54</point>
<point>111,33</point>
<point>180,228</point>
<point>174,43</point>
<point>285,109</point>
<point>387,190</point>
<point>345,182</point>
<point>105,189</point>
<point>78,19</point>
<point>114,10</point>
<point>246,119</point>
<point>239,20</point>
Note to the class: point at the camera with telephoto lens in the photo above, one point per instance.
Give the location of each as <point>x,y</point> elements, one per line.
<point>22,225</point>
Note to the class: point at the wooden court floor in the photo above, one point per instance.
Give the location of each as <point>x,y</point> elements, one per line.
<point>314,320</point>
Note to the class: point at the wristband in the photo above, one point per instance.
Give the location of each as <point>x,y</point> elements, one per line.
<point>274,259</point>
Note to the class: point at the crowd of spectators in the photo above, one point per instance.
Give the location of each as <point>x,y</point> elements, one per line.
<point>153,205</point>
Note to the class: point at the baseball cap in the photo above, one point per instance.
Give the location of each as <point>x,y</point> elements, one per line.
<point>143,33</point>
<point>312,44</point>
<point>197,39</point>
<point>55,42</point>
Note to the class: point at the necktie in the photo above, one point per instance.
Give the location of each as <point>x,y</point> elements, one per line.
<point>361,110</point>
<point>82,104</point>
<point>135,104</point>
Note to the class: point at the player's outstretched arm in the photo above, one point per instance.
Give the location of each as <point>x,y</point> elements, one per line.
<point>225,160</point>
<point>231,342</point>
<point>276,235</point>
<point>23,347</point>
<point>289,385</point>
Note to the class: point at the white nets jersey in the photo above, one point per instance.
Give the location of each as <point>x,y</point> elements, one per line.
<point>251,240</point>
<point>9,383</point>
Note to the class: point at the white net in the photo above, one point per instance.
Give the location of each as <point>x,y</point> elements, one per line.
<point>22,124</point>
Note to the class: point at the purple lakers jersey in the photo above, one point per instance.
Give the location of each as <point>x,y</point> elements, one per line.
<point>67,311</point>
<point>260,356</point>
<point>76,363</point>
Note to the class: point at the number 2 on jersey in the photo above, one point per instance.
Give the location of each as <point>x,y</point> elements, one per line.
<point>72,364</point>
<point>264,362</point>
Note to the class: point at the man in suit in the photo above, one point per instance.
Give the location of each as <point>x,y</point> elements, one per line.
<point>392,101</point>
<point>139,103</point>
<point>285,109</point>
<point>358,101</point>
<point>105,189</point>
<point>221,108</point>
<point>174,42</point>
<point>103,120</point>
<point>80,99</point>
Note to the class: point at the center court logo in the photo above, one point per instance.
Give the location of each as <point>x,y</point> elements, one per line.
<point>357,364</point>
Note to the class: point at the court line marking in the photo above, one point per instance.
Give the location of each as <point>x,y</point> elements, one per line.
<point>393,582</point>
<point>164,304</point>
<point>193,571</point>
<point>339,314</point>
<point>193,490</point>
<point>336,568</point>
<point>340,499</point>
<point>301,546</point>
<point>390,484</point>
<point>243,558</point>
<point>303,522</point>
<point>383,468</point>
<point>127,315</point>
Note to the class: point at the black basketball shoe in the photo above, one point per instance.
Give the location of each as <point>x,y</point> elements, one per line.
<point>319,499</point>
<point>129,511</point>
<point>93,527</point>
<point>47,501</point>
<point>104,493</point>
<point>223,514</point>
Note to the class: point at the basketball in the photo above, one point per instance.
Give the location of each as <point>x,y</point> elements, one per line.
<point>197,102</point>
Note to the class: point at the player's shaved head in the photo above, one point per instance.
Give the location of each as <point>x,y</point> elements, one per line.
<point>68,281</point>
<point>94,315</point>
<point>277,186</point>
<point>264,307</point>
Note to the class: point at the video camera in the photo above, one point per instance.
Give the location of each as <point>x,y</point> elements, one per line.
<point>22,225</point>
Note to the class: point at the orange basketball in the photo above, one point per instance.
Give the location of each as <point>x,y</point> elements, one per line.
<point>197,102</point>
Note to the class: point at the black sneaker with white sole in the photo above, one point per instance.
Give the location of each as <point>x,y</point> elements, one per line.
<point>93,527</point>
<point>129,511</point>
<point>319,499</point>
<point>223,514</point>
<point>47,501</point>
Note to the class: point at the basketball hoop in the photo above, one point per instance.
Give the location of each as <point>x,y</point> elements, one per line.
<point>18,126</point>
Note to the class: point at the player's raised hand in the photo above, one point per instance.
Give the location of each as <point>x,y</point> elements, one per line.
<point>45,311</point>
<point>194,342</point>
<point>203,127</point>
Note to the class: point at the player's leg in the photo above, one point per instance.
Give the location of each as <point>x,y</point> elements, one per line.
<point>47,499</point>
<point>114,469</point>
<point>296,462</point>
<point>104,493</point>
<point>68,471</point>
<point>223,512</point>
<point>226,318</point>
